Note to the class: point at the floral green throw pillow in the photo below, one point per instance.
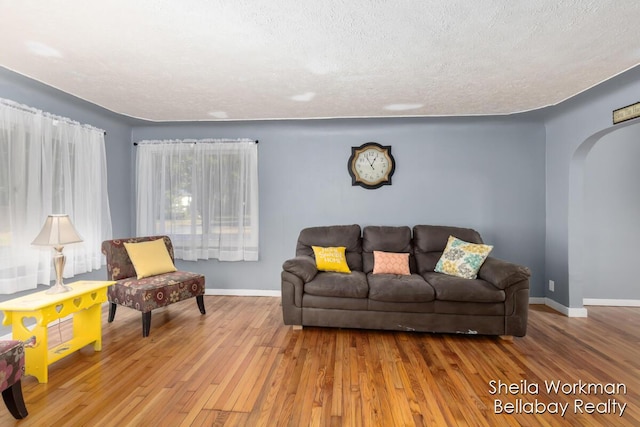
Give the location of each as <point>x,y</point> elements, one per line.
<point>462,259</point>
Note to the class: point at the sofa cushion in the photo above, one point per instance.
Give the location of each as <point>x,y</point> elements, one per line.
<point>462,259</point>
<point>452,288</point>
<point>330,284</point>
<point>396,288</point>
<point>429,242</point>
<point>334,235</point>
<point>334,303</point>
<point>385,239</point>
<point>390,263</point>
<point>331,259</point>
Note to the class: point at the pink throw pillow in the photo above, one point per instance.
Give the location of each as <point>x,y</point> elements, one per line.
<point>390,263</point>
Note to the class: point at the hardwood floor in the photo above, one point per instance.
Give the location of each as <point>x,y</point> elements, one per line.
<point>238,365</point>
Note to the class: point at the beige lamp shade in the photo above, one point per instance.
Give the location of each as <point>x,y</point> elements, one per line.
<point>57,231</point>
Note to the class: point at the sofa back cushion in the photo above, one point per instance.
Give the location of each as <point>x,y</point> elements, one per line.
<point>429,242</point>
<point>119,265</point>
<point>386,239</point>
<point>333,236</point>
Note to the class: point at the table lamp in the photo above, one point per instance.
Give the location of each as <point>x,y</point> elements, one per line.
<point>57,231</point>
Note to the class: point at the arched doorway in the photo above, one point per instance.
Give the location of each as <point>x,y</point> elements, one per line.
<point>579,244</point>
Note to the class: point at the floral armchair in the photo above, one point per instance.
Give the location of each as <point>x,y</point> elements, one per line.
<point>148,293</point>
<point>11,370</point>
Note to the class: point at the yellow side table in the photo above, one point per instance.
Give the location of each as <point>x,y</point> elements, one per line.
<point>84,302</point>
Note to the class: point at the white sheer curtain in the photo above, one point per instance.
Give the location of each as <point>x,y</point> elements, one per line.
<point>48,165</point>
<point>201,193</point>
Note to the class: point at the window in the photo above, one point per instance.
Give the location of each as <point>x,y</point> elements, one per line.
<point>201,193</point>
<point>49,165</point>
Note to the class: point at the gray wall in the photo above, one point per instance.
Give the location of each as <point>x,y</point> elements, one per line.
<point>485,173</point>
<point>572,129</point>
<point>612,209</point>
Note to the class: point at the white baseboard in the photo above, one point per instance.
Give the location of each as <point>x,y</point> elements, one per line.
<point>582,312</point>
<point>567,311</point>
<point>612,302</point>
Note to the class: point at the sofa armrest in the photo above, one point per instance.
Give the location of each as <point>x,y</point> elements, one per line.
<point>502,274</point>
<point>301,266</point>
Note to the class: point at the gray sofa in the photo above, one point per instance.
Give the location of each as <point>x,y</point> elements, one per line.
<point>495,303</point>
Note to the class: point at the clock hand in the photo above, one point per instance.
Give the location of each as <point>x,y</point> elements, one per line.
<point>374,160</point>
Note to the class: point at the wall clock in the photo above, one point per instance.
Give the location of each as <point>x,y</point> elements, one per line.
<point>371,165</point>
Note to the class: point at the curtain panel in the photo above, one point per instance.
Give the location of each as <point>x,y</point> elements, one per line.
<point>201,193</point>
<point>49,165</point>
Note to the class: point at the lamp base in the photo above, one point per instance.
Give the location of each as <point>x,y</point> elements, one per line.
<point>58,288</point>
<point>58,262</point>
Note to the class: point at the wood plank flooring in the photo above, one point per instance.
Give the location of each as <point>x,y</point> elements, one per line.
<point>238,365</point>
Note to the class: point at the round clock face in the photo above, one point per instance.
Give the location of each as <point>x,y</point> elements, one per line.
<point>371,165</point>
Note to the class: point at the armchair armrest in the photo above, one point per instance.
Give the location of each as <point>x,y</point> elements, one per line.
<point>301,266</point>
<point>502,274</point>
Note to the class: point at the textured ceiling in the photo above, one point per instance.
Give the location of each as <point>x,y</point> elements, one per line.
<point>166,60</point>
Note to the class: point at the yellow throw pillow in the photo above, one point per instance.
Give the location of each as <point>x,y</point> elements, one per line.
<point>150,258</point>
<point>390,263</point>
<point>331,259</point>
